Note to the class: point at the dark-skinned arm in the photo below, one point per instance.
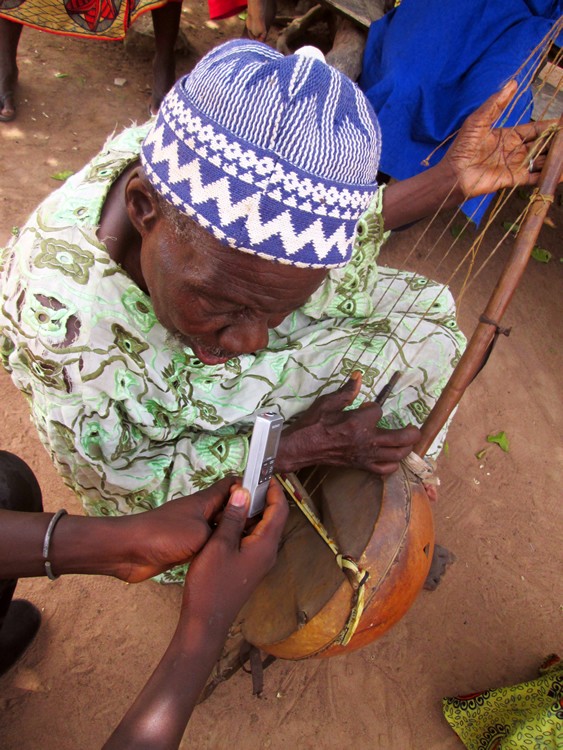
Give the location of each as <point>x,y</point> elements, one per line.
<point>480,160</point>
<point>132,548</point>
<point>219,582</point>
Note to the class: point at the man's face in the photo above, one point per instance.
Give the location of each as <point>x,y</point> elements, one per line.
<point>218,301</point>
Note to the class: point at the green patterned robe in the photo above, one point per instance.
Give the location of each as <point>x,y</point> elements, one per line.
<point>129,422</point>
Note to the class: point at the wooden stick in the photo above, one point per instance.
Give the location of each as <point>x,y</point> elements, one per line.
<point>500,298</point>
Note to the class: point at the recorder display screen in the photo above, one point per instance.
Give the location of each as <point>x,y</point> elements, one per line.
<point>271,444</point>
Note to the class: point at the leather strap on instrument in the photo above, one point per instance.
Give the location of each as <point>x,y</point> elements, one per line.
<point>357,577</point>
<point>251,653</point>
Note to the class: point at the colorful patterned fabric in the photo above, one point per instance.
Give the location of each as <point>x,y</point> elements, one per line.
<point>96,19</point>
<point>131,423</point>
<point>521,717</point>
<point>276,156</point>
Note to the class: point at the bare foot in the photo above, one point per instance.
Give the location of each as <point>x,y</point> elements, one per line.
<point>7,100</point>
<point>441,558</point>
<point>432,492</point>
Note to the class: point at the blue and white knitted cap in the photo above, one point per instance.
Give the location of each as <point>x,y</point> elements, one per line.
<point>276,156</point>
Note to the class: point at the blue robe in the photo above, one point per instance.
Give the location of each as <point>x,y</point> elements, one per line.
<point>429,64</point>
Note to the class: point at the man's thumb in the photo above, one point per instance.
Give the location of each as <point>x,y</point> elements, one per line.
<point>349,391</point>
<point>234,516</point>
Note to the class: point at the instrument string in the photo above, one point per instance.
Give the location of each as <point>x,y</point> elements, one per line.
<point>500,203</point>
<point>422,318</point>
<point>426,229</point>
<point>539,146</point>
<point>497,210</point>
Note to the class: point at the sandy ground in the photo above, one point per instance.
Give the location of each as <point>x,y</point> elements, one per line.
<point>498,611</point>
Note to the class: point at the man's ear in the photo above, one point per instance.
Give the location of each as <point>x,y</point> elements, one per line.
<point>141,207</point>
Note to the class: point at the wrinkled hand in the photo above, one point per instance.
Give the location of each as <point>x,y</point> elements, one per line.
<point>230,566</point>
<point>325,434</point>
<point>485,160</point>
<point>171,534</point>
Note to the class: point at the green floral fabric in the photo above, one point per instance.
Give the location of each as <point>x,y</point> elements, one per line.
<point>131,423</point>
<point>521,717</point>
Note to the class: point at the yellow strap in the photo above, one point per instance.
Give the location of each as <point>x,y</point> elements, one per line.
<point>357,577</point>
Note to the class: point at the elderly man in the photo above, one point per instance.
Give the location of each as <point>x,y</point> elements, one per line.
<point>222,259</point>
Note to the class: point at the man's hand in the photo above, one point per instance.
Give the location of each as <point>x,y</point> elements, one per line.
<point>171,534</point>
<point>325,434</point>
<point>230,566</point>
<point>479,161</point>
<point>482,160</point>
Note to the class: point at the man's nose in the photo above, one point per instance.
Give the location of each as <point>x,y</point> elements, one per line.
<point>245,336</point>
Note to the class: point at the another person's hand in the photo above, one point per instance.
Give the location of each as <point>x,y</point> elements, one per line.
<point>171,534</point>
<point>326,434</point>
<point>230,566</point>
<point>219,581</point>
<point>482,160</point>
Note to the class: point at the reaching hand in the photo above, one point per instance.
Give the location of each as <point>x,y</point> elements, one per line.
<point>230,566</point>
<point>171,534</point>
<point>485,160</point>
<point>326,434</point>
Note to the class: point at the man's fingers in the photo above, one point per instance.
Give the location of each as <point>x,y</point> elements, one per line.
<point>271,524</point>
<point>369,411</point>
<point>215,497</point>
<point>399,438</point>
<point>393,455</point>
<point>347,393</point>
<point>231,525</point>
<point>532,130</point>
<point>387,468</point>
<point>493,107</point>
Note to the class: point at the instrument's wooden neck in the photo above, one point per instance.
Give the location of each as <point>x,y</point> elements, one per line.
<point>472,358</point>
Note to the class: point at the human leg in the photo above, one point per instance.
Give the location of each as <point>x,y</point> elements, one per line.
<point>10,32</point>
<point>19,620</point>
<point>166,22</point>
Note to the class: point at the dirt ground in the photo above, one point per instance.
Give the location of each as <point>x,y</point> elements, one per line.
<point>499,610</point>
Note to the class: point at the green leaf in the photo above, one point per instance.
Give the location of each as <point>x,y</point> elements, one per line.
<point>61,75</point>
<point>523,194</point>
<point>446,449</point>
<point>62,176</point>
<point>500,439</point>
<point>481,453</point>
<point>458,230</point>
<point>512,227</point>
<point>15,231</point>
<point>540,254</point>
<point>243,15</point>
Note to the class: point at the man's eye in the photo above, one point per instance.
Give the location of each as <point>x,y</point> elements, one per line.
<point>210,309</point>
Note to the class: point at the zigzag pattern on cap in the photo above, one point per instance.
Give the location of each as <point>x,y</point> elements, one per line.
<point>238,170</point>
